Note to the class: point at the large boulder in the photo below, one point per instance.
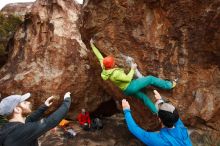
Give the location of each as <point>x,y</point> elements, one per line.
<point>167,39</point>
<point>50,54</point>
<point>49,58</point>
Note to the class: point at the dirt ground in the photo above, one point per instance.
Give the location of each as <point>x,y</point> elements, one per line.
<point>114,133</point>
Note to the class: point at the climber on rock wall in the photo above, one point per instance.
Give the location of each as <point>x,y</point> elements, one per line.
<point>130,86</point>
<point>173,133</point>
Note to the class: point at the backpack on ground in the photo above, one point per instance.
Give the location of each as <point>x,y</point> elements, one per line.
<point>97,124</point>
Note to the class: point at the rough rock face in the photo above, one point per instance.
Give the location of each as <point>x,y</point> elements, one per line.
<point>166,38</point>
<point>49,58</point>
<point>18,9</point>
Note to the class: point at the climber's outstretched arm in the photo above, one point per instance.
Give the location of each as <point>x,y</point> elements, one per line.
<point>97,53</point>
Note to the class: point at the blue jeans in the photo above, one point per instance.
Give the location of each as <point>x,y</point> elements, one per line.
<point>136,85</point>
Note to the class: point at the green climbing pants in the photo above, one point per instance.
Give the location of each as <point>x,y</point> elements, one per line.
<point>136,85</point>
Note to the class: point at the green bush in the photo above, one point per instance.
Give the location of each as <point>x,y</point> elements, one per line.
<point>8,25</point>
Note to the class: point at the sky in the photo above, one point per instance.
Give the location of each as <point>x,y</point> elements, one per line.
<point>5,2</point>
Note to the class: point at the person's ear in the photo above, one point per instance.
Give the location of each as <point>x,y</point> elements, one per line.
<point>17,110</point>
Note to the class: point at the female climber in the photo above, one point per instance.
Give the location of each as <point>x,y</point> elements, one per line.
<point>130,86</point>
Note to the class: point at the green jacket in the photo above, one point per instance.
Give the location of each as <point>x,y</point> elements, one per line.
<point>116,75</point>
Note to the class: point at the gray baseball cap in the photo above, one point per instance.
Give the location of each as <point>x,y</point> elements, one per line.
<point>167,107</point>
<point>162,105</point>
<point>8,104</point>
